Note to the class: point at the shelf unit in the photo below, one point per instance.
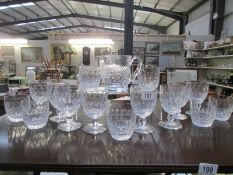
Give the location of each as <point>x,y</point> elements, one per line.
<point>220,85</point>
<point>209,71</point>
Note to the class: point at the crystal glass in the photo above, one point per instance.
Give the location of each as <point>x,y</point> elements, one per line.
<point>222,107</point>
<point>170,95</point>
<point>202,115</point>
<point>149,77</point>
<point>143,103</point>
<point>121,122</point>
<point>53,101</point>
<point>89,77</point>
<point>34,117</point>
<point>94,102</point>
<point>12,106</point>
<point>68,100</point>
<point>40,91</point>
<point>198,91</point>
<point>184,99</point>
<point>116,71</point>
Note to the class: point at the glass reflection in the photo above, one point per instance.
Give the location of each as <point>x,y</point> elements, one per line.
<point>120,152</point>
<point>37,143</point>
<point>68,149</point>
<point>144,149</point>
<point>16,133</point>
<point>93,149</point>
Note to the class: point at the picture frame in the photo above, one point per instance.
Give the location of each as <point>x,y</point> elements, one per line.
<point>152,48</point>
<point>7,51</point>
<point>58,51</point>
<point>99,51</point>
<point>171,47</point>
<point>31,54</point>
<point>151,59</point>
<point>139,51</point>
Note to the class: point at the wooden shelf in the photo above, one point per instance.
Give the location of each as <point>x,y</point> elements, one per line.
<point>212,57</point>
<point>213,48</point>
<point>220,85</point>
<point>217,68</point>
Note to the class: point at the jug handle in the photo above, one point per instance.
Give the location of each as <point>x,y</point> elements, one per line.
<point>138,69</point>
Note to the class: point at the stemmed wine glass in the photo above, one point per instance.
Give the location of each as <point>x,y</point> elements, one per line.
<point>149,77</point>
<point>169,97</point>
<point>68,100</point>
<point>89,77</point>
<point>94,102</point>
<point>143,103</point>
<point>40,91</point>
<point>198,91</point>
<point>182,102</point>
<point>59,117</point>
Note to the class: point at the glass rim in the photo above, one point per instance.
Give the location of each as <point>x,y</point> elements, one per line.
<point>17,97</point>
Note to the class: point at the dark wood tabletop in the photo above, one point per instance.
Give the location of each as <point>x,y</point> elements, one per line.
<point>49,149</point>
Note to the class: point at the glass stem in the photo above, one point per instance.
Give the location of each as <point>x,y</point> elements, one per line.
<point>94,122</point>
<point>170,118</point>
<point>143,122</point>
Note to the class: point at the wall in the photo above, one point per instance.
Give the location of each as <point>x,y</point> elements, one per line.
<point>199,20</point>
<point>139,41</point>
<point>228,19</point>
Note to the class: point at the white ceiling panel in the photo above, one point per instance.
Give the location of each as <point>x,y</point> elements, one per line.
<point>37,10</point>
<point>48,8</point>
<point>154,18</point>
<point>165,21</point>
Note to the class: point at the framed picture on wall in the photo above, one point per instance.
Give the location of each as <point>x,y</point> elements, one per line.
<point>31,54</point>
<point>102,51</point>
<point>7,51</point>
<point>152,48</point>
<point>149,59</point>
<point>171,47</point>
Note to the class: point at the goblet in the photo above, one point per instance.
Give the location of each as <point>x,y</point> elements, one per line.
<point>149,77</point>
<point>89,77</point>
<point>40,91</point>
<point>94,102</point>
<point>198,91</point>
<point>183,101</point>
<point>169,97</point>
<point>143,103</point>
<point>68,100</point>
<point>53,101</point>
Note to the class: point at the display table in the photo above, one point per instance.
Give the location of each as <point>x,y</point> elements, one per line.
<point>162,151</point>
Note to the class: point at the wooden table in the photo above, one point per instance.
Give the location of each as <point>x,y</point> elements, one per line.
<point>167,151</point>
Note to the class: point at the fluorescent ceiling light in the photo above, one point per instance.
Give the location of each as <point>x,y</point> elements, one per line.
<point>3,7</point>
<point>13,41</point>
<point>116,28</point>
<point>21,24</point>
<point>28,4</point>
<point>91,41</point>
<point>16,5</point>
<point>55,27</point>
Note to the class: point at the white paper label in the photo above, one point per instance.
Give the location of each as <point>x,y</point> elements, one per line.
<point>207,169</point>
<point>147,96</point>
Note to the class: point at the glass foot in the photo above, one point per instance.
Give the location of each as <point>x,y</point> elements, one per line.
<point>144,129</point>
<point>175,125</point>
<point>188,112</point>
<point>181,117</point>
<point>69,126</point>
<point>57,119</point>
<point>94,129</point>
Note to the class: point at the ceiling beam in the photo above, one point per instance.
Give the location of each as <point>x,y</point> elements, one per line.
<point>6,3</point>
<point>66,27</point>
<point>170,14</point>
<point>160,29</point>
